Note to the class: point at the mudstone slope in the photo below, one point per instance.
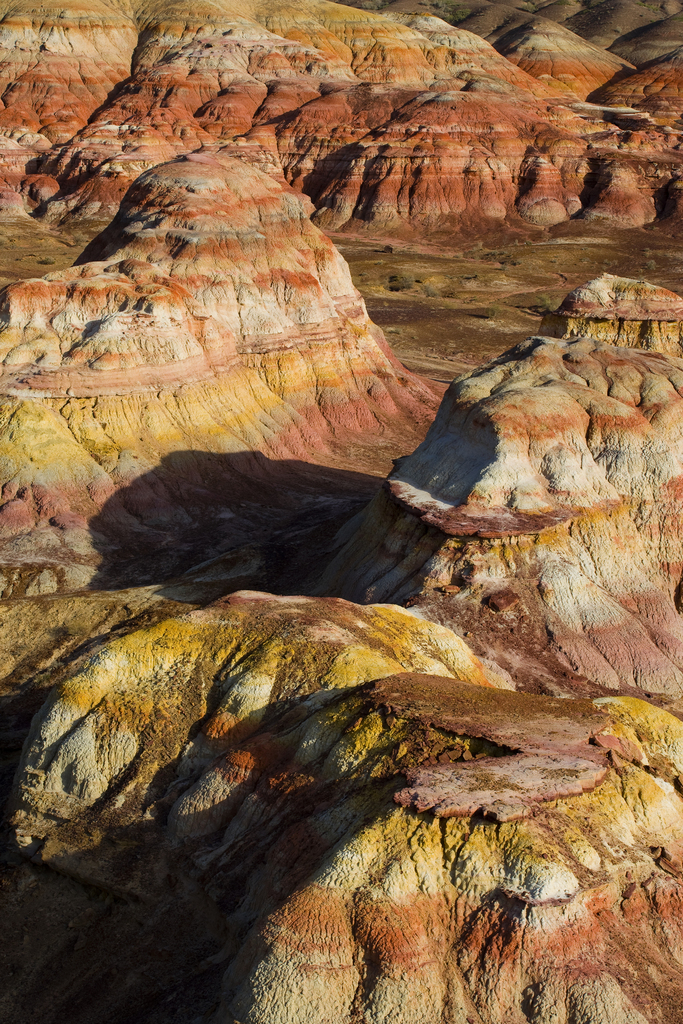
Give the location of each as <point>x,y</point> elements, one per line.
<point>400,123</point>
<point>213,321</point>
<point>301,809</point>
<point>538,468</point>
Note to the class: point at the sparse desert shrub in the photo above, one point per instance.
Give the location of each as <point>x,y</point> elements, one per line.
<point>492,311</point>
<point>545,302</point>
<point>46,260</point>
<point>650,265</point>
<point>431,292</point>
<point>401,282</point>
<point>459,15</point>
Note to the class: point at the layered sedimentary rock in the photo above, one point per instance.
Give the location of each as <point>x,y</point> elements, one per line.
<point>360,111</point>
<point>652,41</point>
<point>657,86</point>
<point>312,108</point>
<point>546,499</point>
<point>546,50</point>
<point>619,311</point>
<point>214,320</point>
<point>58,66</point>
<point>297,810</point>
<point>427,167</point>
<point>285,817</point>
<point>457,51</point>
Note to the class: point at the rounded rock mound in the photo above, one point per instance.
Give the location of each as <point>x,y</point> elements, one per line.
<point>243,768</point>
<point>537,468</point>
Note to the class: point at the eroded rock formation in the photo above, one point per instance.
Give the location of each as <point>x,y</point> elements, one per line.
<point>296,810</point>
<point>374,117</point>
<point>538,468</point>
<point>287,812</point>
<point>656,87</point>
<point>630,314</point>
<point>214,321</point>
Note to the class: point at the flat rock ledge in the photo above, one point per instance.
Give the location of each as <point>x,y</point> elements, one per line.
<point>499,788</point>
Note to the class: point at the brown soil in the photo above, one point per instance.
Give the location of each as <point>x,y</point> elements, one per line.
<point>453,311</point>
<point>29,248</point>
<point>606,23</point>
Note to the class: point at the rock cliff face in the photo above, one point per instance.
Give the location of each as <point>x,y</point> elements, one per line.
<point>295,809</point>
<point>253,756</point>
<point>538,468</point>
<point>656,87</point>
<point>546,50</point>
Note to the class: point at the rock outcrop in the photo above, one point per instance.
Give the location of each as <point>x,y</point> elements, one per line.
<point>548,51</point>
<point>656,87</point>
<point>340,892</point>
<point>375,118</point>
<point>275,809</point>
<point>538,468</point>
<point>619,311</point>
<point>215,320</point>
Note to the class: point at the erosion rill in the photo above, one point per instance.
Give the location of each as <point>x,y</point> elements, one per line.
<point>290,736</point>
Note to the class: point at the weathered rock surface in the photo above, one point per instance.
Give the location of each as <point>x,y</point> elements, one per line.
<point>215,320</point>
<point>537,469</point>
<point>503,789</point>
<point>256,649</point>
<point>657,86</point>
<point>236,759</point>
<point>373,117</point>
<point>295,810</point>
<point>619,311</point>
<point>546,50</point>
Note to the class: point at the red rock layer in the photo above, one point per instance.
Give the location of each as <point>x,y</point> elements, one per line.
<point>346,101</point>
<point>656,87</point>
<point>59,65</point>
<point>549,51</point>
<point>215,320</point>
<point>336,893</point>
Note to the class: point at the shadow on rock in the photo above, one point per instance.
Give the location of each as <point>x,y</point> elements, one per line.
<point>239,507</point>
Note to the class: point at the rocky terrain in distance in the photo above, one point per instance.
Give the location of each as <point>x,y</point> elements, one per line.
<point>342,670</point>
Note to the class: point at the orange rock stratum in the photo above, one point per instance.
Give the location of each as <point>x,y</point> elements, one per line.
<point>290,736</point>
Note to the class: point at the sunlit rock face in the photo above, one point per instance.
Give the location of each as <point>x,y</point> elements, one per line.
<point>374,117</point>
<point>619,311</point>
<point>457,51</point>
<point>250,760</point>
<point>547,493</point>
<point>214,320</point>
<point>549,51</point>
<point>208,259</point>
<point>58,65</point>
<point>656,86</point>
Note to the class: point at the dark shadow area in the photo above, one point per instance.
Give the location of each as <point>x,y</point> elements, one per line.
<point>196,506</point>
